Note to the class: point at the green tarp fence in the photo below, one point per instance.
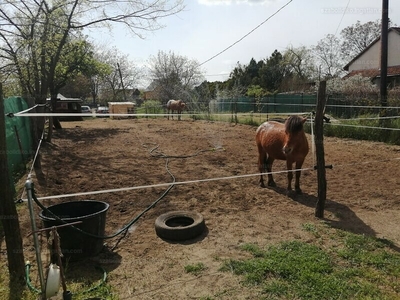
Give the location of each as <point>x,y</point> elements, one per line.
<point>280,103</point>
<point>18,136</point>
<point>337,106</point>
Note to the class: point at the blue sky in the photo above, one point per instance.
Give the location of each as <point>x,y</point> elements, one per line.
<point>206,27</point>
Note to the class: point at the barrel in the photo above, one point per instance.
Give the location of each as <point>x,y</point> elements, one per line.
<point>74,244</point>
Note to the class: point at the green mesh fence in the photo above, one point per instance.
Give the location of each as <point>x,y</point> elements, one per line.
<point>18,136</point>
<point>280,103</point>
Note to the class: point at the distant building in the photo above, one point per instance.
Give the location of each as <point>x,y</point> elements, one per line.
<point>367,62</point>
<point>152,92</point>
<point>121,108</point>
<point>130,94</point>
<point>68,105</point>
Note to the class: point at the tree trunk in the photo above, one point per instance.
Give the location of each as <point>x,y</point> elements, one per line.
<point>8,212</point>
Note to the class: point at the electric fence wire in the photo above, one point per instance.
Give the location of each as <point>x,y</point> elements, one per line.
<point>25,111</point>
<point>246,35</point>
<point>363,126</point>
<point>29,176</point>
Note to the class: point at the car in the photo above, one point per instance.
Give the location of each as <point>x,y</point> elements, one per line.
<point>85,109</point>
<point>102,110</point>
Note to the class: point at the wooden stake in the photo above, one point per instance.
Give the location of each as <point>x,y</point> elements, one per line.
<point>319,148</point>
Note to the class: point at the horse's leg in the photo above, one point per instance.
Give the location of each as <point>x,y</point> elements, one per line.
<point>297,188</point>
<point>289,166</point>
<point>269,163</point>
<point>261,163</point>
<point>167,113</point>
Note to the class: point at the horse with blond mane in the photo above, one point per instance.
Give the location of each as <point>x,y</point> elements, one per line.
<point>284,142</point>
<point>175,105</point>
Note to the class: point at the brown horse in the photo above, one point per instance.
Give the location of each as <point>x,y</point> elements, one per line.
<point>177,105</point>
<point>285,142</point>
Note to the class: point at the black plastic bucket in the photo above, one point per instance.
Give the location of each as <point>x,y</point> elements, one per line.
<point>76,245</point>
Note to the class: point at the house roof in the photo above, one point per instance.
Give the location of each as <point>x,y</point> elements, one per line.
<point>121,103</point>
<point>373,73</point>
<point>65,99</point>
<point>395,29</point>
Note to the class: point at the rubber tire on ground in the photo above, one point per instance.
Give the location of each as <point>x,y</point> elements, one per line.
<point>179,233</point>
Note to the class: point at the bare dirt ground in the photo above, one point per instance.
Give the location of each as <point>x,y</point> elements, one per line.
<point>363,196</point>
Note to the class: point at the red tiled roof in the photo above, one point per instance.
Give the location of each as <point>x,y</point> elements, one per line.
<point>372,73</point>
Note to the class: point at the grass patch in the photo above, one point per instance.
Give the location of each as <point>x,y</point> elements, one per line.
<point>84,283</point>
<point>195,269</point>
<point>358,267</point>
<point>367,127</point>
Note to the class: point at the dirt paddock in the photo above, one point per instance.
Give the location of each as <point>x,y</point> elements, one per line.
<point>363,196</point>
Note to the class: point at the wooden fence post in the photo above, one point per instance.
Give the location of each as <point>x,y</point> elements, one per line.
<point>319,148</point>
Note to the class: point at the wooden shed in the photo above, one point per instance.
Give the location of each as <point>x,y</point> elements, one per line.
<point>120,108</point>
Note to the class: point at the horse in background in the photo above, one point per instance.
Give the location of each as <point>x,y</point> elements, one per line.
<point>177,105</point>
<point>284,142</point>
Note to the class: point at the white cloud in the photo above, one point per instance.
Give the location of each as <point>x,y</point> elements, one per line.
<point>229,2</point>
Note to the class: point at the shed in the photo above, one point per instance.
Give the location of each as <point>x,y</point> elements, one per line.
<point>120,108</point>
<point>68,105</point>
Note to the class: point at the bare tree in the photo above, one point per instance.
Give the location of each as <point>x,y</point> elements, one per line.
<point>33,34</point>
<point>174,75</point>
<point>328,57</point>
<point>356,37</point>
<point>300,61</point>
<point>124,74</point>
<point>301,69</point>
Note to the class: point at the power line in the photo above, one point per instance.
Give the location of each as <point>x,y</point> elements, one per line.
<point>219,53</point>
<point>344,12</point>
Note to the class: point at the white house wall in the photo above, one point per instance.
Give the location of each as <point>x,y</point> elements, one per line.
<point>393,49</point>
<point>370,59</point>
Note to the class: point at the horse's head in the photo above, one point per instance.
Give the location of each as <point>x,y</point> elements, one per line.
<point>294,133</point>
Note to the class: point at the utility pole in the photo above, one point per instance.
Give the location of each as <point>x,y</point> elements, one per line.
<point>122,82</point>
<point>384,51</point>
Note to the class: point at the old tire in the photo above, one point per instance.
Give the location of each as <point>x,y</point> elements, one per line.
<point>179,225</point>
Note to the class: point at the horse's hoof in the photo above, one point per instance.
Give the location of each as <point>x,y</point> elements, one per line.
<point>271,183</point>
<point>299,191</point>
<point>262,184</point>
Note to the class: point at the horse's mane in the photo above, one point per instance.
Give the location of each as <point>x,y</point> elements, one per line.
<point>294,124</point>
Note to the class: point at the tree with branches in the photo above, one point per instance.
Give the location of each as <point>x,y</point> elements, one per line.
<point>329,57</point>
<point>174,75</point>
<point>123,74</point>
<point>34,36</point>
<point>357,37</point>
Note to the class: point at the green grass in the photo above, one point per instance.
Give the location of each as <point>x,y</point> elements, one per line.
<point>84,283</point>
<point>354,267</point>
<point>195,269</point>
<point>366,129</point>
